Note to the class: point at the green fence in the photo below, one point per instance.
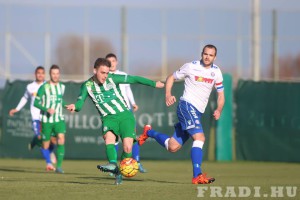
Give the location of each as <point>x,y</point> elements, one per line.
<point>268,121</point>
<point>83,137</point>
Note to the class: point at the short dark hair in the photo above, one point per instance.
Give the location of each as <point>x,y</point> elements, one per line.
<point>54,67</point>
<point>210,46</point>
<point>39,68</point>
<point>101,62</point>
<point>111,55</point>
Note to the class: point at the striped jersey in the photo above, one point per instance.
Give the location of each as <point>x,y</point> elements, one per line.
<point>107,97</point>
<point>199,82</point>
<point>30,93</point>
<point>50,96</point>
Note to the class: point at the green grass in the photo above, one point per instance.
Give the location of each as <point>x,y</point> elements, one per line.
<point>27,179</point>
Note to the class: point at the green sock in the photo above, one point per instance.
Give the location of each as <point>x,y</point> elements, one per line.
<point>60,154</point>
<point>126,155</point>
<point>111,153</point>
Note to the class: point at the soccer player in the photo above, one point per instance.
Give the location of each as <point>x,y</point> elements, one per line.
<point>117,120</point>
<point>30,92</point>
<point>50,101</point>
<point>129,99</point>
<point>200,77</point>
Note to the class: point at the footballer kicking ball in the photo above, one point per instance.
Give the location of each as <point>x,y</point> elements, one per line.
<point>129,167</point>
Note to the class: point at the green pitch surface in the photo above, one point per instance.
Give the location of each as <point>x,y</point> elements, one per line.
<point>27,179</point>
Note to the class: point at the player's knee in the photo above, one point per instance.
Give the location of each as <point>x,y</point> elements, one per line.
<point>174,148</point>
<point>61,139</point>
<point>127,148</point>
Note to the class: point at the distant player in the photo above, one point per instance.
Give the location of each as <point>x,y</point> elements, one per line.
<point>129,98</point>
<point>200,77</point>
<point>30,93</point>
<point>117,120</point>
<point>50,101</point>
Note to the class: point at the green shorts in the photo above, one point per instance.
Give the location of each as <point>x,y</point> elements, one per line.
<point>52,129</point>
<point>122,125</point>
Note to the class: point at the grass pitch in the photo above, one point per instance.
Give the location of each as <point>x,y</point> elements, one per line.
<point>27,179</point>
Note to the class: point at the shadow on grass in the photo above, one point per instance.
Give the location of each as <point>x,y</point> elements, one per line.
<point>130,180</point>
<point>15,169</point>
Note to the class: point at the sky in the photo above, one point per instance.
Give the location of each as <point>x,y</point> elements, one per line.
<point>230,4</point>
<point>188,26</point>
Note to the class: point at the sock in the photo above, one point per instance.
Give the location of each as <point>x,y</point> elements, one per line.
<point>196,156</point>
<point>117,146</point>
<point>159,137</point>
<point>60,154</point>
<point>51,148</point>
<point>136,152</point>
<point>126,155</point>
<point>46,155</point>
<point>36,141</point>
<point>111,153</point>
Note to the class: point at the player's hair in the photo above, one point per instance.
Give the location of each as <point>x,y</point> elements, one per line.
<point>210,46</point>
<point>39,68</point>
<point>54,67</point>
<point>101,62</point>
<point>111,55</point>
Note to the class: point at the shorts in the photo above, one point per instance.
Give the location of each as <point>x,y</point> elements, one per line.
<point>53,129</point>
<point>189,122</point>
<point>122,125</point>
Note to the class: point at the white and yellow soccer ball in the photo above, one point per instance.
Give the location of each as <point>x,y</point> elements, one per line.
<point>129,167</point>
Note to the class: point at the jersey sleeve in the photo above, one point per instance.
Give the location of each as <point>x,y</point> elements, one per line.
<point>82,97</point>
<point>182,72</point>
<point>23,100</point>
<point>38,99</point>
<point>219,81</point>
<point>133,79</point>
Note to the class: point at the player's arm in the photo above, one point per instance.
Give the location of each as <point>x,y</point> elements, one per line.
<point>169,84</point>
<point>177,75</point>
<point>21,104</point>
<point>221,98</point>
<point>130,96</point>
<point>80,100</point>
<point>220,103</point>
<point>137,79</point>
<point>38,99</point>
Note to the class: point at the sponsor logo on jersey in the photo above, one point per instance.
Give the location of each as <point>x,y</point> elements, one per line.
<point>203,79</point>
<point>105,128</point>
<point>212,74</point>
<point>109,86</point>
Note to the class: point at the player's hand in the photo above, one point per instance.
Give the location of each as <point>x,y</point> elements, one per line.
<point>51,111</point>
<point>135,107</point>
<point>12,112</point>
<point>159,84</point>
<point>170,100</point>
<point>71,107</point>
<point>217,114</point>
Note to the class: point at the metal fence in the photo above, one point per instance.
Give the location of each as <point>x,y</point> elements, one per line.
<point>152,42</point>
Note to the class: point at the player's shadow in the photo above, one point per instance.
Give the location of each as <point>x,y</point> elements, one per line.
<point>129,179</point>
<point>19,170</point>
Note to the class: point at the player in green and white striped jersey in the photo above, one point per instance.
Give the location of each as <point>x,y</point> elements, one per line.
<point>117,120</point>
<point>50,101</point>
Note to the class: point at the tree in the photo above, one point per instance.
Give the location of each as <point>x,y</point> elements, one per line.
<point>289,67</point>
<point>70,53</point>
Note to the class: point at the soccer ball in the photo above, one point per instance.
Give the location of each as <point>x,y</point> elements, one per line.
<point>129,167</point>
